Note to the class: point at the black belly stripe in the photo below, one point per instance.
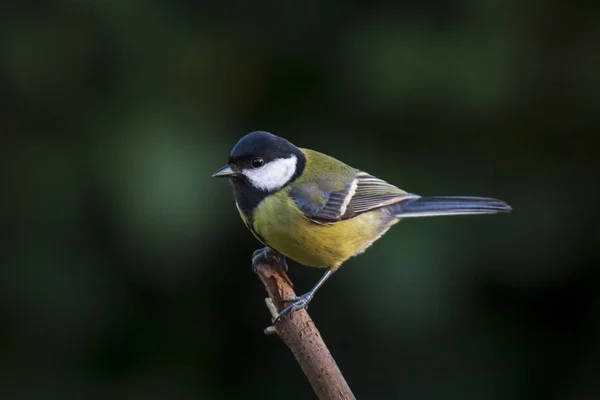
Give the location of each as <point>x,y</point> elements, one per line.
<point>257,236</point>
<point>249,224</point>
<point>247,199</point>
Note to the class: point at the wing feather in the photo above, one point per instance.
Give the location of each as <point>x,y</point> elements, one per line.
<point>362,193</point>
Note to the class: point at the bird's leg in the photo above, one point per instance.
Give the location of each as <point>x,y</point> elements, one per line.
<point>268,255</point>
<point>300,302</point>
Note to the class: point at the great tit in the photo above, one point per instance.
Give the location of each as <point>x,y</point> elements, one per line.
<point>318,211</point>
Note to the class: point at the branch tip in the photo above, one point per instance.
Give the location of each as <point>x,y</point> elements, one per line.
<point>270,330</point>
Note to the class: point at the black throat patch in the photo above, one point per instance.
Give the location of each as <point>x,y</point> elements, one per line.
<point>247,197</point>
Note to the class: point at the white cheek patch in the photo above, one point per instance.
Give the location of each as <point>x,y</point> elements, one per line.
<point>273,175</point>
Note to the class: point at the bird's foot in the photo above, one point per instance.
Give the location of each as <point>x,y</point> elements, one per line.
<point>268,255</point>
<point>299,302</point>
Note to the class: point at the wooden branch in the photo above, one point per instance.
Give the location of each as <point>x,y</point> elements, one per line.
<point>299,333</point>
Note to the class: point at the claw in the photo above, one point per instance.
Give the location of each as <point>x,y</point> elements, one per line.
<point>259,256</point>
<point>291,299</point>
<point>300,302</point>
<point>268,255</point>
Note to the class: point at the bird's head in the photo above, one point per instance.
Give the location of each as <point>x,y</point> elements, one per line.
<point>264,161</point>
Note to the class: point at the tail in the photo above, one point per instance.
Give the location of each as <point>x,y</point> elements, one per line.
<point>448,205</point>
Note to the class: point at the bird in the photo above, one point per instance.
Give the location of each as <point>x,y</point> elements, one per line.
<point>311,208</point>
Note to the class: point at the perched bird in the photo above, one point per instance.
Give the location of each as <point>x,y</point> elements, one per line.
<point>318,211</point>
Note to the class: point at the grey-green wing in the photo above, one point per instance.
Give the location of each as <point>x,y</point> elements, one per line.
<point>360,193</point>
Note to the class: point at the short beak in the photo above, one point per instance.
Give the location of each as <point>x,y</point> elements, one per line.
<point>223,172</point>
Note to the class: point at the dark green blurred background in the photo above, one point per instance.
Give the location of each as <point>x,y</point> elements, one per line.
<point>126,270</point>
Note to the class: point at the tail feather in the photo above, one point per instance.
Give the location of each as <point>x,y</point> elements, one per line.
<point>448,205</point>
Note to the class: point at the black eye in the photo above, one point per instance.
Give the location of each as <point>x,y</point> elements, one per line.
<point>257,162</point>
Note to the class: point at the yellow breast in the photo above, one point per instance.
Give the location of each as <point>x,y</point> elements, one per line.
<point>283,226</point>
